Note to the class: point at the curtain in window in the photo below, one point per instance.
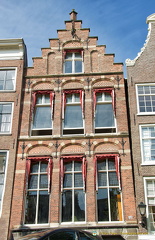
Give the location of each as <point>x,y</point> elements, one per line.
<point>65,51</point>
<point>29,160</point>
<point>69,159</point>
<point>109,156</point>
<point>34,99</point>
<point>81,92</point>
<point>106,90</point>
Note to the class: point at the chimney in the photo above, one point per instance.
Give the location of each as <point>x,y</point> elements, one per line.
<point>73,15</point>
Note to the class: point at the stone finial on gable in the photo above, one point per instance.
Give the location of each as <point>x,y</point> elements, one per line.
<point>73,15</point>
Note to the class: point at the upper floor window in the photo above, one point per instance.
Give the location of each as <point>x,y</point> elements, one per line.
<point>42,113</point>
<point>3,158</point>
<point>73,61</point>
<point>104,110</point>
<point>146,98</point>
<point>109,207</point>
<point>148,144</point>
<point>5,117</point>
<point>73,112</point>
<point>37,197</point>
<point>7,79</point>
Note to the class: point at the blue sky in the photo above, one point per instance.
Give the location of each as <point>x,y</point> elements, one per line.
<point>119,24</point>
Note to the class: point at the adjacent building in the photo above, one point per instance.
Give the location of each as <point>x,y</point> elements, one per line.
<point>12,60</point>
<point>73,165</point>
<point>141,91</point>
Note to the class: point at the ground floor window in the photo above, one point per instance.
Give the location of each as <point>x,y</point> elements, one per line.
<point>37,200</point>
<point>109,207</point>
<point>150,202</point>
<point>73,194</point>
<point>3,158</point>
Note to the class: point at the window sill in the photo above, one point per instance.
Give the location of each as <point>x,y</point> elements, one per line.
<point>148,164</point>
<point>12,91</point>
<point>4,134</point>
<point>39,225</point>
<point>146,114</point>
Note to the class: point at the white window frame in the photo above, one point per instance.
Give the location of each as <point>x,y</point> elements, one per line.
<point>73,59</point>
<point>14,85</point>
<point>107,171</point>
<point>37,190</point>
<point>138,108</point>
<point>74,103</point>
<point>145,179</point>
<point>73,189</point>
<point>11,118</point>
<point>103,102</point>
<point>141,143</point>
<point>42,104</point>
<point>6,167</point>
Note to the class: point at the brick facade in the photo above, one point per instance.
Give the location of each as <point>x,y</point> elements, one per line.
<point>47,74</point>
<point>141,72</point>
<point>10,59</point>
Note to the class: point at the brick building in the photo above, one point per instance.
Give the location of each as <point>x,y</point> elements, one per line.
<point>73,164</point>
<point>141,90</point>
<point>12,60</point>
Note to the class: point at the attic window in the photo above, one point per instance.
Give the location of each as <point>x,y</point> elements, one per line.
<point>73,61</point>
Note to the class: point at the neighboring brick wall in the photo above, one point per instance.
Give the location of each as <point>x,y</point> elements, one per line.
<point>9,142</point>
<point>141,71</point>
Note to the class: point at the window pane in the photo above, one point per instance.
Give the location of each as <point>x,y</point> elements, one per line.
<point>68,67</point>
<point>1,178</point>
<point>68,166</point>
<point>39,98</point>
<point>46,98</point>
<point>43,167</point>
<point>42,118</point>
<point>30,211</point>
<point>99,97</point>
<point>43,210</point>
<point>111,164</point>
<point>77,55</point>
<point>77,166</point>
<point>102,205</point>
<point>43,181</point>
<point>76,97</point>
<point>68,180</point>
<point>104,115</point>
<point>33,184</point>
<point>113,180</point>
<point>78,181</point>
<point>7,78</point>
<point>1,191</point>
<point>107,96</point>
<point>7,108</point>
<point>79,201</point>
<point>34,167</point>
<point>67,206</point>
<point>102,179</point>
<point>68,56</point>
<point>73,117</point>
<point>10,74</point>
<point>2,75</point>
<point>101,165</point>
<point>2,161</point>
<point>78,66</point>
<point>69,98</point>
<point>115,204</point>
